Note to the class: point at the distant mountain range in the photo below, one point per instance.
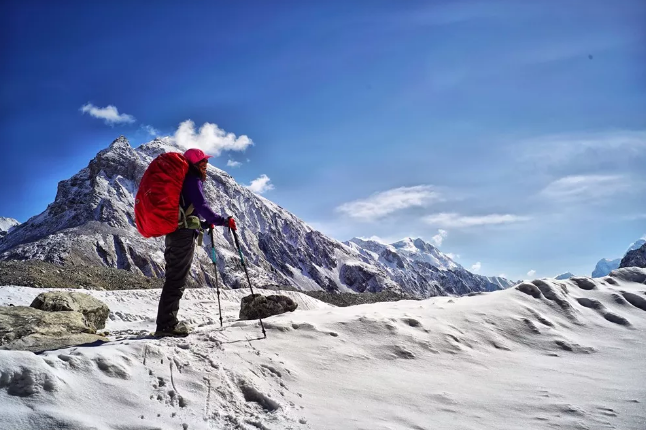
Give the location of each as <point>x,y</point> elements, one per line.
<point>91,222</point>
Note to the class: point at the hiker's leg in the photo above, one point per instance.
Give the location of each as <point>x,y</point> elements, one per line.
<point>180,246</point>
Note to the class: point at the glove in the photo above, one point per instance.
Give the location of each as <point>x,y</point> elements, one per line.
<point>231,223</point>
<point>205,225</point>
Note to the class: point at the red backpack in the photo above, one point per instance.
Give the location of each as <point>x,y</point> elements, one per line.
<point>157,201</point>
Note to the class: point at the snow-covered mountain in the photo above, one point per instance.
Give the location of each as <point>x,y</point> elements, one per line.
<point>566,275</point>
<point>7,224</point>
<point>423,269</point>
<point>91,222</point>
<point>605,266</point>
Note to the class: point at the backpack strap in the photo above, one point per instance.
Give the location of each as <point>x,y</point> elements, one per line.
<point>182,220</point>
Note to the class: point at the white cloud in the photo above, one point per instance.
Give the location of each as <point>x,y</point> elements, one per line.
<point>232,163</point>
<point>476,267</point>
<point>454,220</point>
<point>150,130</point>
<point>209,138</point>
<point>110,114</point>
<point>439,237</point>
<point>452,256</point>
<point>384,203</point>
<point>585,187</point>
<point>568,148</point>
<point>531,273</point>
<point>261,185</point>
<point>502,275</point>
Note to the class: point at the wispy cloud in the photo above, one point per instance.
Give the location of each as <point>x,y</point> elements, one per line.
<point>591,147</point>
<point>439,237</point>
<point>476,267</point>
<point>110,114</point>
<point>150,130</point>
<point>454,220</point>
<point>634,217</point>
<point>261,185</point>
<point>210,138</point>
<point>585,187</point>
<point>232,163</point>
<point>531,273</point>
<point>384,203</point>
<point>452,256</point>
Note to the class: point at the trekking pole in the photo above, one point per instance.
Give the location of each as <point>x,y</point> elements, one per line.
<point>244,266</point>
<point>214,259</point>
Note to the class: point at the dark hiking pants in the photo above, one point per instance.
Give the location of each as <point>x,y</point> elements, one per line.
<point>180,246</point>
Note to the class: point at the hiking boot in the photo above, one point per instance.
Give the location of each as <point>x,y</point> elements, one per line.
<point>181,329</point>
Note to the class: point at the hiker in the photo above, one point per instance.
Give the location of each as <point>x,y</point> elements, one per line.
<point>195,215</point>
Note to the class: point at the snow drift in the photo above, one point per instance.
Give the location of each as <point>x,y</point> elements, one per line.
<point>547,354</point>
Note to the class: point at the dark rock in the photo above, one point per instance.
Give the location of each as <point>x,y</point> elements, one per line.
<point>94,310</point>
<point>634,258</point>
<point>256,306</point>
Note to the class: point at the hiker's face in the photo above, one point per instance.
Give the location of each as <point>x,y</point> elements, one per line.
<point>202,166</point>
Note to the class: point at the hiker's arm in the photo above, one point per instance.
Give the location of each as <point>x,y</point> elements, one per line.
<point>201,208</point>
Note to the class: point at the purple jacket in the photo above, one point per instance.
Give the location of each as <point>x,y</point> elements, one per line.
<point>193,194</point>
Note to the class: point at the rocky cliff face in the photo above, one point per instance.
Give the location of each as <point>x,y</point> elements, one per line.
<point>91,222</point>
<point>635,258</point>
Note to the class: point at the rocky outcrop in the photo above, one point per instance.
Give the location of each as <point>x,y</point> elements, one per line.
<point>635,258</point>
<point>93,310</point>
<point>54,320</point>
<point>256,306</point>
<point>30,329</point>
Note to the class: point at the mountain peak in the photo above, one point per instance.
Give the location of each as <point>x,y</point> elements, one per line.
<point>120,142</point>
<point>7,224</point>
<point>563,276</point>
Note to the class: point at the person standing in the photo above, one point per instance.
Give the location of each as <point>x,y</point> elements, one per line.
<point>194,215</point>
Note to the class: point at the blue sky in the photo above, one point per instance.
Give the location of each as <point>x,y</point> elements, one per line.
<point>510,133</point>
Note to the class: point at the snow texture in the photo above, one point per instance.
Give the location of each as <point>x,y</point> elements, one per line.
<point>91,222</point>
<point>546,354</point>
<point>6,224</point>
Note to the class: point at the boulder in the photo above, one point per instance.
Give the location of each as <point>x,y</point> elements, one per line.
<point>94,310</point>
<point>30,329</point>
<point>256,306</point>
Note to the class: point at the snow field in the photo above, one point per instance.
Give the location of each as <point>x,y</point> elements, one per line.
<point>558,354</point>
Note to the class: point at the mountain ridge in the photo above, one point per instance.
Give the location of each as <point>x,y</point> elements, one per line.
<point>91,222</point>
